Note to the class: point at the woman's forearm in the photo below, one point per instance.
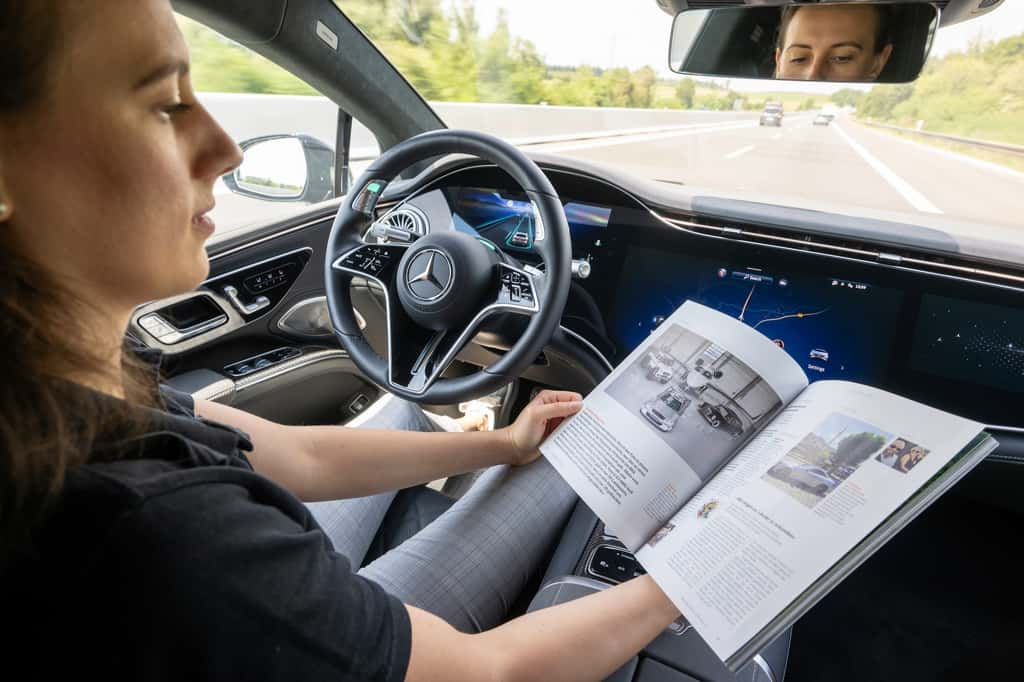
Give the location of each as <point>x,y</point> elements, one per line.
<point>356,462</point>
<point>586,639</point>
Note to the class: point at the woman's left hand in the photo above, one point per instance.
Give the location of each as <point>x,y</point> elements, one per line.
<point>537,421</point>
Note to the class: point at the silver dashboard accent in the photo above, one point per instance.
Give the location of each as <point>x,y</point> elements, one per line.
<point>215,391</point>
<point>583,340</point>
<point>581,268</point>
<point>310,317</point>
<point>164,332</point>
<point>249,266</point>
<point>275,371</point>
<point>1016,282</point>
<point>759,661</point>
<point>408,218</point>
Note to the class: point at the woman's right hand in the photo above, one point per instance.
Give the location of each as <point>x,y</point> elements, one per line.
<point>536,422</point>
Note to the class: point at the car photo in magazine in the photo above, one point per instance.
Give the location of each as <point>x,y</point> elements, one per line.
<point>744,491</point>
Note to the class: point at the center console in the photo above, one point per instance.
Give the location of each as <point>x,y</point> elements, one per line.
<point>589,559</point>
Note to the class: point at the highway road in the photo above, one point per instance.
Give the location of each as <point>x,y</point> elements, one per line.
<point>845,164</point>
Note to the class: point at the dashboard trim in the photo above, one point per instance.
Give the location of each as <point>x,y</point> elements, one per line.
<point>804,248</point>
<point>878,257</point>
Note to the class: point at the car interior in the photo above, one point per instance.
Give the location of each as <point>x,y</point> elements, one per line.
<point>308,319</point>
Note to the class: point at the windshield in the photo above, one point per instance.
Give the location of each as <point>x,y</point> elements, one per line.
<point>593,83</point>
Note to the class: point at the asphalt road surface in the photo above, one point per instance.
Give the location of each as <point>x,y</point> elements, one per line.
<point>862,170</point>
<point>843,163</point>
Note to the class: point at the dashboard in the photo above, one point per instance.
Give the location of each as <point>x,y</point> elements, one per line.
<point>949,341</point>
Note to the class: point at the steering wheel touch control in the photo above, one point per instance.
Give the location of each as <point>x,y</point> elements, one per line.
<point>440,288</point>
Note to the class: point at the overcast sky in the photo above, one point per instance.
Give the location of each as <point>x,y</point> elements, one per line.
<point>635,33</point>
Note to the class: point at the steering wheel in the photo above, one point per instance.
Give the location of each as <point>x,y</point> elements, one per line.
<point>441,287</point>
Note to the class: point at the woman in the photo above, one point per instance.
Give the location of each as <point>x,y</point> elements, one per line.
<point>909,459</point>
<point>145,536</point>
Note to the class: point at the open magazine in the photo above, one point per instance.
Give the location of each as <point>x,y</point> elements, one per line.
<point>746,493</point>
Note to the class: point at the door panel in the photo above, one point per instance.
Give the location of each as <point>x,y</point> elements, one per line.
<point>291,373</point>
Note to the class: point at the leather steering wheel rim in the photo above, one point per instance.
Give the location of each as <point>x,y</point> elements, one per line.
<point>348,257</point>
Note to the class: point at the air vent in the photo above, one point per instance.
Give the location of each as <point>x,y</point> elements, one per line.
<point>407,218</point>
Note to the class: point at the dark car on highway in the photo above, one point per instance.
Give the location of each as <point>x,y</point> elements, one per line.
<point>772,115</point>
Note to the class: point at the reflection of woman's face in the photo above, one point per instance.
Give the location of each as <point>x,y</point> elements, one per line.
<point>831,43</point>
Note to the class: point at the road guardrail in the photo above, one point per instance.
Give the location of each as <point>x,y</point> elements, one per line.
<point>969,141</point>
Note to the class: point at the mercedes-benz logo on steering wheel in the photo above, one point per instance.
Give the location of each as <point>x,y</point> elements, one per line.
<point>429,275</point>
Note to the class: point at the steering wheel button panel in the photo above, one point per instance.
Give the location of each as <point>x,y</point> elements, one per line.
<point>516,289</point>
<point>372,259</point>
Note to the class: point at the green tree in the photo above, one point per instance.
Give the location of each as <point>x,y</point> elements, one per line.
<point>644,80</point>
<point>847,97</point>
<point>854,449</point>
<point>686,89</point>
<point>615,88</point>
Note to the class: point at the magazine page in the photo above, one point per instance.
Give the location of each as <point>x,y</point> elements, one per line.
<point>669,417</point>
<point>831,467</point>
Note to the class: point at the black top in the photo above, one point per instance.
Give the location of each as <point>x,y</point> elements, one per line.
<point>186,564</point>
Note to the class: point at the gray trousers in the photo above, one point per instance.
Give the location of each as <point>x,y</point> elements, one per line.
<point>472,563</point>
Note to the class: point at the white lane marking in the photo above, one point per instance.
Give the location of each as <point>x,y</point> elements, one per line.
<point>913,197</point>
<point>740,152</point>
<point>634,139</point>
<point>962,158</point>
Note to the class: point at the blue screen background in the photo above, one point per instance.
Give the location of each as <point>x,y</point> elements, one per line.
<point>491,215</point>
<point>849,325</point>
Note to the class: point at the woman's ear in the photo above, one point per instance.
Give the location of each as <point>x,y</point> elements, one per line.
<point>881,59</point>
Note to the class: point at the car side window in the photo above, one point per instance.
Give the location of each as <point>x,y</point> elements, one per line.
<point>286,129</point>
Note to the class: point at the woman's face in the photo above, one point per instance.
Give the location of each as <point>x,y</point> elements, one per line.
<point>109,176</point>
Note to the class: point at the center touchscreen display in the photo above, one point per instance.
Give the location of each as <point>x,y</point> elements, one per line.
<point>834,326</point>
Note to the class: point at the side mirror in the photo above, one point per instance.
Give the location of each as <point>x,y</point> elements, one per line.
<point>296,168</point>
<point>880,42</point>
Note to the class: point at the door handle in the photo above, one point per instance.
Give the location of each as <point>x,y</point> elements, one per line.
<point>259,304</point>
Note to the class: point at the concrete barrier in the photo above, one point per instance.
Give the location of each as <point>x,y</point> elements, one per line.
<point>245,116</point>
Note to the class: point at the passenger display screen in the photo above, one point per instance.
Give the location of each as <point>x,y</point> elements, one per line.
<point>834,327</point>
<point>977,343</point>
<point>510,223</point>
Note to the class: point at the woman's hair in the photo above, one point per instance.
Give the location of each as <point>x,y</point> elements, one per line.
<point>883,29</point>
<point>47,424</point>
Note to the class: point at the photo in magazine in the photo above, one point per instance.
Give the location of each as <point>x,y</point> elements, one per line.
<point>696,396</point>
<point>826,457</point>
<point>902,455</point>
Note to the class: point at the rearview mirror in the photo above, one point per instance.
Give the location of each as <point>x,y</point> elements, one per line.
<point>836,42</point>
